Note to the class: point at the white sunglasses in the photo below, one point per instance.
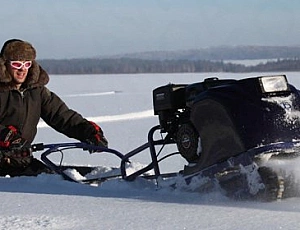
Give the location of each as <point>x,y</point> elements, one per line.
<point>20,64</point>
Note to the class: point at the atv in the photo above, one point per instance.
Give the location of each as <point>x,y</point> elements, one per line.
<point>235,134</point>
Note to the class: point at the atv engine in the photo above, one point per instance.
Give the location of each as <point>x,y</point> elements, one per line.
<point>172,103</point>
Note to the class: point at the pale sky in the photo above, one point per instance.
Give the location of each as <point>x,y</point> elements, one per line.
<point>89,28</point>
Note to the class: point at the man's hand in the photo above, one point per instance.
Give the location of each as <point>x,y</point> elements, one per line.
<point>15,151</point>
<point>97,138</point>
<point>11,139</point>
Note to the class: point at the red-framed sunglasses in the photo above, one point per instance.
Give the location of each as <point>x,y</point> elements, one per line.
<point>20,64</point>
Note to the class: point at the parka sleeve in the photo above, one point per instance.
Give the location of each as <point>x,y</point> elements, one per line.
<point>60,117</point>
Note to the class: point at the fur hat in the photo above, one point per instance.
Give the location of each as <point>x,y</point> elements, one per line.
<point>16,49</point>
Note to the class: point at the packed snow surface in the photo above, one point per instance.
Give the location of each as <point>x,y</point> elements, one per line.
<point>122,106</point>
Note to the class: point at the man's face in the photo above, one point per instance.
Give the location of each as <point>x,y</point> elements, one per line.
<point>19,70</point>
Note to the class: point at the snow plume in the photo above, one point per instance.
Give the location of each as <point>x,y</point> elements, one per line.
<point>288,165</point>
<point>289,169</point>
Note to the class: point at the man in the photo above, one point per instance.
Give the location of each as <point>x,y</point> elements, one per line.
<point>24,99</point>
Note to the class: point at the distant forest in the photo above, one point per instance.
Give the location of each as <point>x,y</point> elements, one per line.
<point>127,65</point>
<point>283,59</point>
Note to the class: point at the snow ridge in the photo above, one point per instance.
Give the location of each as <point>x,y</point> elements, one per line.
<point>113,118</point>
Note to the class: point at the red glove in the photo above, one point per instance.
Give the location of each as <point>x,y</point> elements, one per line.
<point>9,138</point>
<point>15,151</point>
<point>98,137</point>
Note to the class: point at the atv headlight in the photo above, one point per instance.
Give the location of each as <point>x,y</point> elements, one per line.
<point>272,84</point>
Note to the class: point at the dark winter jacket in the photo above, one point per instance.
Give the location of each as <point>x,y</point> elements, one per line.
<point>24,108</point>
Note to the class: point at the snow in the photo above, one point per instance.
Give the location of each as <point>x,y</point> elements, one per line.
<point>122,105</point>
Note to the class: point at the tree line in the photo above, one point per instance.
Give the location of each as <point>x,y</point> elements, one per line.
<point>132,65</point>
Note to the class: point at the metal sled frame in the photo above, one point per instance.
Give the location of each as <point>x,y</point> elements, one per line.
<point>59,147</point>
<point>151,144</point>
